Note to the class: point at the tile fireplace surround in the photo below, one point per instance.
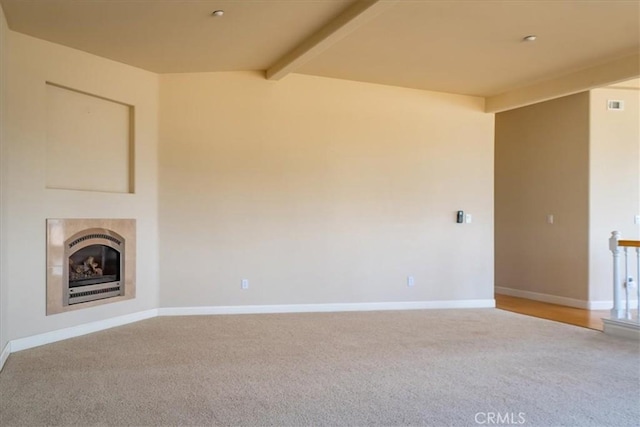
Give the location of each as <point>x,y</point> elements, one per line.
<point>117,233</point>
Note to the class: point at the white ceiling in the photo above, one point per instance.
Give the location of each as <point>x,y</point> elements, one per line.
<point>468,47</point>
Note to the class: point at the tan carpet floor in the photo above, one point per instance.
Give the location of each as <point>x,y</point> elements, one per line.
<point>431,367</point>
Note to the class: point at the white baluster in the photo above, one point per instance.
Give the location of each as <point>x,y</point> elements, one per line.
<point>637,283</point>
<point>628,284</point>
<point>616,312</point>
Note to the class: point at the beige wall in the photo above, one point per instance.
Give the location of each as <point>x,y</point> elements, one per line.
<point>321,191</point>
<point>3,299</point>
<point>542,168</point>
<point>316,190</point>
<point>26,203</point>
<point>614,181</point>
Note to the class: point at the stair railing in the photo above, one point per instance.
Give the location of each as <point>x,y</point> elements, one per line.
<point>628,284</point>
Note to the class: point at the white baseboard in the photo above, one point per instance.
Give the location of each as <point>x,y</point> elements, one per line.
<point>6,351</point>
<point>555,299</point>
<point>76,331</point>
<point>621,328</point>
<point>324,308</point>
<point>600,305</point>
<point>607,305</point>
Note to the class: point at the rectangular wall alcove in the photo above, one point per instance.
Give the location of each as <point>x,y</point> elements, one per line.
<point>89,262</point>
<point>89,142</point>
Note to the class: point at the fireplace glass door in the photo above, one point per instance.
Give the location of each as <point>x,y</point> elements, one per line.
<point>94,264</point>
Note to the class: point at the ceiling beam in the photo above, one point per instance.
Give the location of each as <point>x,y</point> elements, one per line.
<point>619,70</point>
<point>348,21</point>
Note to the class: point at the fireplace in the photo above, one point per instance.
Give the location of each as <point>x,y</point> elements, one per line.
<point>95,266</point>
<point>89,262</point>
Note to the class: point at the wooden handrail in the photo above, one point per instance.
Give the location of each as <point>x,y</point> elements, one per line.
<point>629,243</point>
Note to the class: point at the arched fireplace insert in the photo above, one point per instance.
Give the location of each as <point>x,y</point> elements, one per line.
<point>94,267</point>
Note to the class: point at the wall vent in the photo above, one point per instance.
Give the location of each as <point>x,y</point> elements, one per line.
<point>615,105</point>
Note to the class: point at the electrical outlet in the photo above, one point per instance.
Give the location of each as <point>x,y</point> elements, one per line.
<point>410,281</point>
<point>245,284</point>
<point>636,219</point>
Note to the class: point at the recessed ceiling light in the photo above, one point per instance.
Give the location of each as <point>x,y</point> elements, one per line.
<point>218,13</point>
<point>530,38</point>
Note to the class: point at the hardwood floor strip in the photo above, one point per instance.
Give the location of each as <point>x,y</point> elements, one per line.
<point>591,319</point>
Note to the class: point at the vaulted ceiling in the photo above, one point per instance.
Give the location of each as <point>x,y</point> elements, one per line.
<point>466,47</point>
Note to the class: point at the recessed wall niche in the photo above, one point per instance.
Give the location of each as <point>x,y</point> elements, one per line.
<point>89,142</point>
